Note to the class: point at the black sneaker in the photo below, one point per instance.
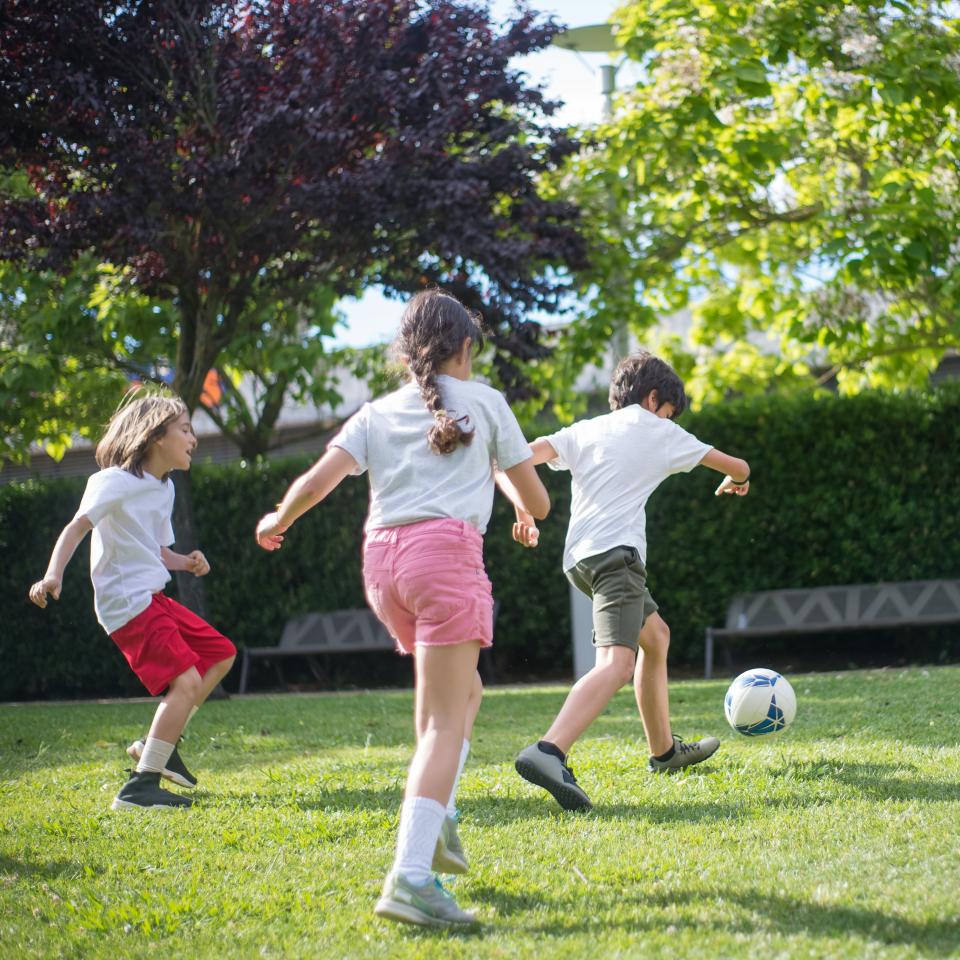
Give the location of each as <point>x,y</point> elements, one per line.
<point>175,770</point>
<point>143,792</point>
<point>685,754</point>
<point>550,772</point>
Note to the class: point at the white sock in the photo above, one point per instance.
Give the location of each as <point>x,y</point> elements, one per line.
<point>420,821</point>
<point>452,803</point>
<point>155,755</point>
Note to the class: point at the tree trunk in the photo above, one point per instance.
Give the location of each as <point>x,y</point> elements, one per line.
<point>190,589</point>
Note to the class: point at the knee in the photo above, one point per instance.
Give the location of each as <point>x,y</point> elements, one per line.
<point>655,640</point>
<point>187,685</point>
<point>476,691</point>
<point>624,672</point>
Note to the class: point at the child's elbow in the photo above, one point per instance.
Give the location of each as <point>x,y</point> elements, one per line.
<point>543,509</point>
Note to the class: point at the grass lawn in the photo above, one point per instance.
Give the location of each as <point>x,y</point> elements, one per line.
<point>838,838</point>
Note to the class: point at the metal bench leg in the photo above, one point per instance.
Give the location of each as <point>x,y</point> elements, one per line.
<point>708,654</point>
<point>244,671</point>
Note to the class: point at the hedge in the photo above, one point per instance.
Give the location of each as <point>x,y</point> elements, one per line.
<point>844,490</point>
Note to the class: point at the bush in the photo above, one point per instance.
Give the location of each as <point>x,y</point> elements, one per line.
<point>845,490</point>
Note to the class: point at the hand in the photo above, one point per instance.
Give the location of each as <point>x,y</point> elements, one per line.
<point>39,591</point>
<point>526,534</point>
<point>729,486</point>
<point>269,532</point>
<point>196,563</point>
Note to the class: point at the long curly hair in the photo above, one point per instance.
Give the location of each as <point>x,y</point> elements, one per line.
<point>434,327</point>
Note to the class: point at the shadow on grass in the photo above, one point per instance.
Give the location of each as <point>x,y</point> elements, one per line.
<point>26,870</point>
<point>760,913</point>
<point>872,780</point>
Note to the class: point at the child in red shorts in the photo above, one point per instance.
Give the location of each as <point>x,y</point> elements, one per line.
<point>128,505</point>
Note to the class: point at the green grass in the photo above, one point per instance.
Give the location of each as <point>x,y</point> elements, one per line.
<point>838,838</point>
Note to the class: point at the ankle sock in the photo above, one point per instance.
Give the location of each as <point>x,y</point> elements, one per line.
<point>664,757</point>
<point>547,747</point>
<point>155,755</point>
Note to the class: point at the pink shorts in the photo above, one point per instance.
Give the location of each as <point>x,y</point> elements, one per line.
<point>166,640</point>
<point>427,585</point>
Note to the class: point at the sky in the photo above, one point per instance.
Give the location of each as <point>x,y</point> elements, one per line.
<point>573,78</point>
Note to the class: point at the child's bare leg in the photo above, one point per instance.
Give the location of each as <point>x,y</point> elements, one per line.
<point>590,695</point>
<point>212,677</point>
<point>650,684</point>
<point>174,710</point>
<point>473,706</point>
<point>446,684</point>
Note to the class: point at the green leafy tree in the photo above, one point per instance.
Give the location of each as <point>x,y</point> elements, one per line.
<point>790,171</point>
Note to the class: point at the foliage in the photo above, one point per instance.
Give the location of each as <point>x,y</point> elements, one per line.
<point>232,156</point>
<point>821,842</point>
<point>845,490</point>
<point>69,346</point>
<point>790,170</point>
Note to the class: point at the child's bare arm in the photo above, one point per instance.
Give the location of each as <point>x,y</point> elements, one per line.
<point>63,550</point>
<point>305,492</point>
<point>525,529</point>
<point>525,489</point>
<point>737,479</point>
<point>194,562</point>
<point>542,451</point>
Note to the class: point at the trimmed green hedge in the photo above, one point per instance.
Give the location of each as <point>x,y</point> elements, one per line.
<point>845,490</point>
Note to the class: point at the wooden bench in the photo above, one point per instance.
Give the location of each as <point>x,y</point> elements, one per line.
<point>773,613</point>
<point>313,635</point>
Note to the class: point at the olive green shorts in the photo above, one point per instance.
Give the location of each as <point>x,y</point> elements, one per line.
<point>617,582</point>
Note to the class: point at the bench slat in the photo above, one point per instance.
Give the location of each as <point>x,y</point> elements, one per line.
<point>825,609</point>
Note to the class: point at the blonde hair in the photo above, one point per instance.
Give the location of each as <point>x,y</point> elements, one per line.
<point>142,418</point>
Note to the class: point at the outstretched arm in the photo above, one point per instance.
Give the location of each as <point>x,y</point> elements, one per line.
<point>305,492</point>
<point>737,479</point>
<point>63,550</point>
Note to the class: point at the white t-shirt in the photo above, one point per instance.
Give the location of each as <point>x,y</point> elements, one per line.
<point>616,461</point>
<point>408,481</point>
<point>131,522</point>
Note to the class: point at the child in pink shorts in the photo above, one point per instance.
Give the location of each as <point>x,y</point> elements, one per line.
<point>431,450</point>
<point>128,505</point>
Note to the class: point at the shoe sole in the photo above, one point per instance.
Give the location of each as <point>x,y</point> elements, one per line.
<point>445,862</point>
<point>119,804</point>
<point>566,796</point>
<point>683,766</point>
<point>170,775</point>
<point>408,913</point>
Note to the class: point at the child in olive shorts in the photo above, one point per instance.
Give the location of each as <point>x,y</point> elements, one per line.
<point>616,461</point>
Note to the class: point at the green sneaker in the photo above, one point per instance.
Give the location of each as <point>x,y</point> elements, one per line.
<point>175,770</point>
<point>430,905</point>
<point>449,856</point>
<point>685,754</point>
<point>143,792</point>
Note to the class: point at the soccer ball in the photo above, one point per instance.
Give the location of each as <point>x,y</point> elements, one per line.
<point>760,701</point>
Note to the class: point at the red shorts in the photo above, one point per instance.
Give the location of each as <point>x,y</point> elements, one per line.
<point>426,583</point>
<point>166,640</point>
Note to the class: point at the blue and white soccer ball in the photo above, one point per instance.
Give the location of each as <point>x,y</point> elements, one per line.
<point>760,701</point>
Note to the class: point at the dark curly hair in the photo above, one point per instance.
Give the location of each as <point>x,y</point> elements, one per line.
<point>638,375</point>
<point>434,327</point>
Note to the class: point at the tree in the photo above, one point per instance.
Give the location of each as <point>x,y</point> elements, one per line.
<point>217,150</point>
<point>791,170</point>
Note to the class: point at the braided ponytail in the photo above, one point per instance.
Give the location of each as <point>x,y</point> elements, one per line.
<point>434,328</point>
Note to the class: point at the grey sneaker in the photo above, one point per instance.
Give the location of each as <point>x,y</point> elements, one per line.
<point>449,856</point>
<point>550,772</point>
<point>685,755</point>
<point>143,792</point>
<point>175,770</point>
<point>430,905</point>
